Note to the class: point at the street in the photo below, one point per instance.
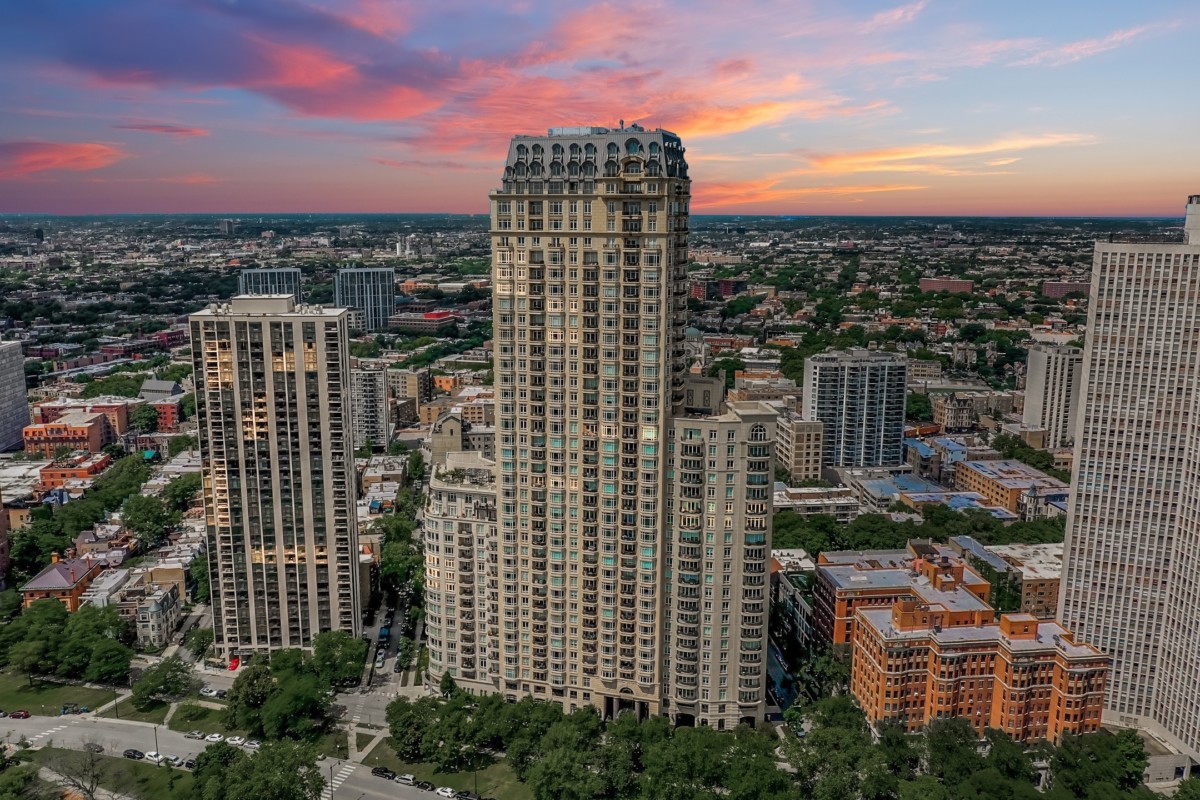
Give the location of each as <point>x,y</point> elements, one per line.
<point>350,780</point>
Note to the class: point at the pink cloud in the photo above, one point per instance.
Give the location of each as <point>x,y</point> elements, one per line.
<point>1084,48</point>
<point>164,128</point>
<point>19,159</point>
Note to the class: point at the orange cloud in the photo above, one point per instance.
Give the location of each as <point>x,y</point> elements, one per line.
<point>19,159</point>
<point>769,190</point>
<point>921,158</point>
<point>300,66</point>
<point>163,127</point>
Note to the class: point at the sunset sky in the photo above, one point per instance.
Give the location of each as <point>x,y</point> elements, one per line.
<point>785,107</point>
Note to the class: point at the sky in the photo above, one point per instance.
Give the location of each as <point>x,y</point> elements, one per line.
<point>959,107</point>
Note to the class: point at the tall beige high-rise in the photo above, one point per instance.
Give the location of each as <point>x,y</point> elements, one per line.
<point>273,406</point>
<point>1052,391</point>
<point>589,243</point>
<point>1131,572</point>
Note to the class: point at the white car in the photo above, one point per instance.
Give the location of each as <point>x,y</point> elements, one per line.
<point>214,737</point>
<point>236,741</point>
<point>207,692</point>
<point>444,791</point>
<point>407,780</point>
<point>252,744</point>
<point>194,735</point>
<point>155,756</point>
<point>172,760</point>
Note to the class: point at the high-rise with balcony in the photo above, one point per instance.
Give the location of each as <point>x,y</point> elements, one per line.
<point>371,418</point>
<point>270,280</point>
<point>1131,573</point>
<point>1052,392</point>
<point>858,395</point>
<point>589,243</point>
<point>718,558</point>
<point>273,408</point>
<point>14,399</point>
<point>371,290</point>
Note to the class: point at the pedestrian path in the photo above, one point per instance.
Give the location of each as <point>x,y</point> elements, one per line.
<point>54,730</point>
<point>338,779</point>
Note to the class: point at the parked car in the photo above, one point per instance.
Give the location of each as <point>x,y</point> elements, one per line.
<point>93,747</point>
<point>194,735</point>
<point>383,772</point>
<point>446,791</point>
<point>467,796</point>
<point>407,780</point>
<point>222,694</point>
<point>19,715</point>
<point>252,744</point>
<point>171,760</point>
<point>208,692</point>
<point>154,756</point>
<point>3,714</point>
<point>189,764</point>
<point>214,737</point>
<point>236,741</point>
<point>136,755</point>
<point>425,786</point>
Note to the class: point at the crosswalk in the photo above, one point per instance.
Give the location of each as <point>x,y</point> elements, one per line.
<point>338,779</point>
<point>50,733</point>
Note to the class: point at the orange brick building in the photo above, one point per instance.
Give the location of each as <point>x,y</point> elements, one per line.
<point>72,467</point>
<point>916,662</point>
<point>847,581</point>
<point>115,411</point>
<point>65,580</point>
<point>76,431</point>
<point>170,414</point>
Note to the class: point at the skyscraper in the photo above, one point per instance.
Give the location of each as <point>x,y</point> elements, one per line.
<point>1131,572</point>
<point>859,396</point>
<point>718,577</point>
<point>372,290</point>
<point>14,399</point>
<point>368,392</point>
<point>589,245</point>
<point>273,407</point>
<point>1052,392</point>
<point>275,280</point>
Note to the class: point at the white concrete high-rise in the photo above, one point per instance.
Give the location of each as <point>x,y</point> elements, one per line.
<point>273,409</point>
<point>589,245</point>
<point>1131,572</point>
<point>371,417</point>
<point>272,280</point>
<point>14,399</point>
<point>1052,389</point>
<point>371,290</point>
<point>859,396</point>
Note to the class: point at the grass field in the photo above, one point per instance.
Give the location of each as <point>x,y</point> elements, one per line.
<point>361,740</point>
<point>497,781</point>
<point>200,718</point>
<point>131,778</point>
<point>46,698</point>
<point>125,710</point>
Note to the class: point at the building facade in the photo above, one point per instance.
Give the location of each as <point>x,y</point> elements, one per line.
<point>75,431</point>
<point>14,402</point>
<point>273,409</point>
<point>462,609</point>
<point>718,568</point>
<point>371,290</point>
<point>589,245</point>
<point>414,383</point>
<point>1131,575</point>
<point>371,420</point>
<point>798,446</point>
<point>273,280</point>
<point>1003,483</point>
<point>859,396</point>
<point>1052,387</point>
<point>916,662</point>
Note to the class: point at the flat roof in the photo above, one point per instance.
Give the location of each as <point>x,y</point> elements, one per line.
<point>1014,474</point>
<point>1050,635</point>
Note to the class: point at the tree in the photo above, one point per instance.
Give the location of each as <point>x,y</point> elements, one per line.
<point>951,752</point>
<point>1189,790</point>
<point>149,518</point>
<point>109,662</point>
<point>213,766</point>
<point>279,771</point>
<point>198,574</point>
<point>298,709</point>
<point>447,686</point>
<point>180,492</point>
<point>918,406</point>
<point>31,657</point>
<point>730,366</point>
<point>187,405</point>
<point>338,657</point>
<point>249,693</point>
<point>168,680</point>
<point>79,774</point>
<point>416,466</point>
<point>407,722</point>
<point>198,640</point>
<point>144,418</point>
<point>180,444</point>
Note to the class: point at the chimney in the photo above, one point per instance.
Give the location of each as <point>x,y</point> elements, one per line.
<point>1191,221</point>
<point>54,557</point>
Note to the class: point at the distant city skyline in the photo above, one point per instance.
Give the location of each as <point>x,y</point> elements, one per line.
<point>929,107</point>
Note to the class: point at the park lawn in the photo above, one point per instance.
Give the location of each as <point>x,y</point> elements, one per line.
<point>208,720</point>
<point>46,698</point>
<point>133,778</point>
<point>361,740</point>
<point>156,714</point>
<point>497,781</point>
<point>334,744</point>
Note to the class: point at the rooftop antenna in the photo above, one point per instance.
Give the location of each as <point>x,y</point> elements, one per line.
<point>622,124</point>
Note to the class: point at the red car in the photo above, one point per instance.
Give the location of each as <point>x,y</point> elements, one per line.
<point>19,715</point>
<point>233,663</point>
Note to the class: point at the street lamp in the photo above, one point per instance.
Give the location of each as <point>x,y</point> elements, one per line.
<point>156,739</point>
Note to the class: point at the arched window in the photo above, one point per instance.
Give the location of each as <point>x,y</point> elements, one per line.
<point>654,149</point>
<point>557,150</point>
<point>589,150</point>
<point>537,151</point>
<point>633,147</point>
<point>613,149</point>
<point>758,433</point>
<point>522,151</point>
<point>574,150</point>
